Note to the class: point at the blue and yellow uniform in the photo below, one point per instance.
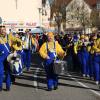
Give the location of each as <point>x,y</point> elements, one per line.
<point>48,51</point>
<point>16,46</point>
<point>10,38</point>
<point>27,51</point>
<point>80,49</point>
<point>96,48</point>
<point>4,66</point>
<point>91,56</point>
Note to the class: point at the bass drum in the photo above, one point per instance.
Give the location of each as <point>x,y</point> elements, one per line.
<point>15,63</point>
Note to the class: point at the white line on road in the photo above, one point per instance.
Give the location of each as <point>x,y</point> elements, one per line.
<point>80,83</point>
<point>35,83</point>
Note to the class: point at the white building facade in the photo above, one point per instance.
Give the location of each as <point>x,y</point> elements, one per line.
<point>20,13</point>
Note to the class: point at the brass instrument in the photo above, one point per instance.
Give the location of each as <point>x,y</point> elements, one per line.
<point>16,44</point>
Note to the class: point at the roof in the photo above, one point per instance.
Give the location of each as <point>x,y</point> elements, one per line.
<point>66,2</point>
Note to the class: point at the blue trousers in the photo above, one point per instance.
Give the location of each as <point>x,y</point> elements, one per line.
<point>5,67</point>
<point>91,65</point>
<point>27,58</point>
<point>97,67</point>
<point>52,78</point>
<point>83,58</point>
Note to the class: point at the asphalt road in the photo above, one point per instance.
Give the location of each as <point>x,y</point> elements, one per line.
<point>32,86</point>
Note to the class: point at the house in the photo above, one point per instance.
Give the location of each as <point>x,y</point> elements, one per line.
<point>78,16</point>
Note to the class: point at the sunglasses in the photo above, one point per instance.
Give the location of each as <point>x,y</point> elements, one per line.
<point>2,26</point>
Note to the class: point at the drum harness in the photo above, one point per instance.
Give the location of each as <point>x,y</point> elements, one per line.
<point>55,54</point>
<point>28,42</point>
<point>5,45</point>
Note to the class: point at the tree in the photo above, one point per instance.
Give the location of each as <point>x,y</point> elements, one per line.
<point>59,7</point>
<point>78,15</point>
<point>95,18</point>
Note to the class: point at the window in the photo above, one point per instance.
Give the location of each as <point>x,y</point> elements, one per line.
<point>98,6</point>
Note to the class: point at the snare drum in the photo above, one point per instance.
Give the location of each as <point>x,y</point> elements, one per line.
<point>59,66</point>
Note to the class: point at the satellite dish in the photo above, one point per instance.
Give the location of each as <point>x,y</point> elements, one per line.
<point>0,20</point>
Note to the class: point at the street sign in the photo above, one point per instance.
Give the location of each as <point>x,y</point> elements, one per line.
<point>0,20</point>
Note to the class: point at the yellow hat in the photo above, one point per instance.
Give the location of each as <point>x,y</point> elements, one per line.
<point>86,38</point>
<point>94,37</point>
<point>82,37</point>
<point>50,34</point>
<point>17,32</point>
<point>27,30</point>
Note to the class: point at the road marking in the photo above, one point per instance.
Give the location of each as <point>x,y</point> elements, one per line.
<point>80,83</point>
<point>35,83</point>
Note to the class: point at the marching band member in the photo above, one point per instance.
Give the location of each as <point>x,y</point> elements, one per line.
<point>80,49</point>
<point>17,49</point>
<point>96,48</point>
<point>49,50</point>
<point>4,52</point>
<point>35,46</point>
<point>91,56</point>
<point>17,45</point>
<point>74,56</point>
<point>28,41</point>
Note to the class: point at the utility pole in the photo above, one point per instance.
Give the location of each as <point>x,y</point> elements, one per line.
<point>16,1</point>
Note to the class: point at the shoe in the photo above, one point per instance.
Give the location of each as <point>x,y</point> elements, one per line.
<point>97,82</point>
<point>88,76</point>
<point>27,69</point>
<point>92,78</point>
<point>49,89</point>
<point>84,75</point>
<point>7,89</point>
